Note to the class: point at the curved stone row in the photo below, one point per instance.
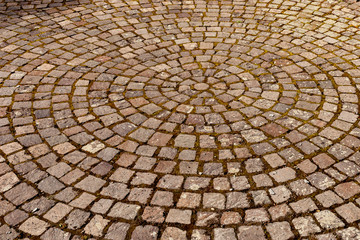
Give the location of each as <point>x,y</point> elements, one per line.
<point>180,120</point>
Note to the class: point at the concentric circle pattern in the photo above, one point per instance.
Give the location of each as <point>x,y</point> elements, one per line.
<point>179,120</point>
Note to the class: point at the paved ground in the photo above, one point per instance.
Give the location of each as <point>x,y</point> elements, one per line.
<point>179,120</point>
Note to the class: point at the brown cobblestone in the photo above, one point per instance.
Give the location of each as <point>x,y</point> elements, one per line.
<point>238,119</point>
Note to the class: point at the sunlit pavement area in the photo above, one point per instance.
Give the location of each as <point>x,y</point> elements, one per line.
<point>179,120</point>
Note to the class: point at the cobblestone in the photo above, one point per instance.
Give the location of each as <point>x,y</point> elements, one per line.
<point>179,119</point>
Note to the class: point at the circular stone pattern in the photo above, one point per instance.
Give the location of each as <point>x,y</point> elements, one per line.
<point>179,120</point>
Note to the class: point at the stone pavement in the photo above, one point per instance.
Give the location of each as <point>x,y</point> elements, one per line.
<point>179,120</point>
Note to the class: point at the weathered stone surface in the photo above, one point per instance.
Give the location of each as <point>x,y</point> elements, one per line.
<point>179,119</point>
